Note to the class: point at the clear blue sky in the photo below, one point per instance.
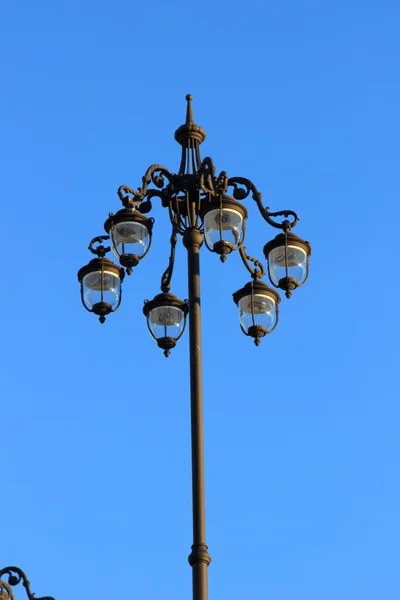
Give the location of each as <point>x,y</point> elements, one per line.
<point>301,434</point>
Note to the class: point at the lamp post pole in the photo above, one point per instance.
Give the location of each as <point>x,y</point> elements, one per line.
<point>200,210</point>
<point>199,558</point>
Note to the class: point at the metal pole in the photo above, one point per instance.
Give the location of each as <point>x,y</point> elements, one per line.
<point>199,558</point>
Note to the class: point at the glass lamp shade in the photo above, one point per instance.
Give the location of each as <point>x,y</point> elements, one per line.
<point>224,225</point>
<point>130,234</point>
<point>258,309</point>
<point>101,286</point>
<point>166,319</point>
<point>287,261</point>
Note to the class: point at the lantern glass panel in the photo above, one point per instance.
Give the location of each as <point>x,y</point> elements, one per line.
<point>129,237</point>
<point>297,264</point>
<point>101,286</point>
<point>231,229</point>
<point>166,321</point>
<point>261,311</point>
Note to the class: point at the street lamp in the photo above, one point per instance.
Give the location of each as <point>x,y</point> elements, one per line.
<point>14,577</point>
<point>200,209</point>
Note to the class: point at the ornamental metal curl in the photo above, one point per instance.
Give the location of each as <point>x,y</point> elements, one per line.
<point>128,196</point>
<point>209,182</point>
<point>240,194</point>
<point>16,576</point>
<point>155,174</point>
<point>100,251</point>
<point>258,271</point>
<point>167,275</point>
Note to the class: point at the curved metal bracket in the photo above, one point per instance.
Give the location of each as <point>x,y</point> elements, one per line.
<point>100,251</point>
<point>128,196</point>
<point>240,193</point>
<point>167,275</point>
<point>285,225</point>
<point>209,182</point>
<point>155,174</point>
<point>16,576</point>
<point>258,271</point>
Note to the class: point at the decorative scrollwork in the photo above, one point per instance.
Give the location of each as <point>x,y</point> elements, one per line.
<point>285,225</point>
<point>259,271</point>
<point>100,250</point>
<point>240,193</point>
<point>207,175</point>
<point>167,275</point>
<point>16,576</point>
<point>154,175</point>
<point>209,182</point>
<point>128,196</point>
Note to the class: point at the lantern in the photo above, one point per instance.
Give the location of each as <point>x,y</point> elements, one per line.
<point>287,256</point>
<point>101,286</point>
<point>166,319</point>
<point>258,309</point>
<point>130,233</point>
<point>224,225</point>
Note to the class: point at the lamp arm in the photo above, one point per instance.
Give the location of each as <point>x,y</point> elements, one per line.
<point>258,271</point>
<point>154,175</point>
<point>240,193</point>
<point>209,182</point>
<point>100,251</point>
<point>15,576</point>
<point>167,275</point>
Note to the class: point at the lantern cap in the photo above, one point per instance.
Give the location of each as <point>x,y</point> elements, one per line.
<point>256,287</point>
<point>292,240</point>
<point>101,264</point>
<point>165,299</point>
<point>226,202</point>
<point>128,214</point>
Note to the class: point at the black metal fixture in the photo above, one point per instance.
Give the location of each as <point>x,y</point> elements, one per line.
<point>100,281</point>
<point>287,256</point>
<point>15,576</point>
<point>258,306</point>
<point>200,209</point>
<point>166,319</point>
<point>224,225</point>
<point>130,234</point>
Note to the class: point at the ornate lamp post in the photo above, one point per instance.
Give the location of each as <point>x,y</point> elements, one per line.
<point>14,577</point>
<point>199,209</point>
